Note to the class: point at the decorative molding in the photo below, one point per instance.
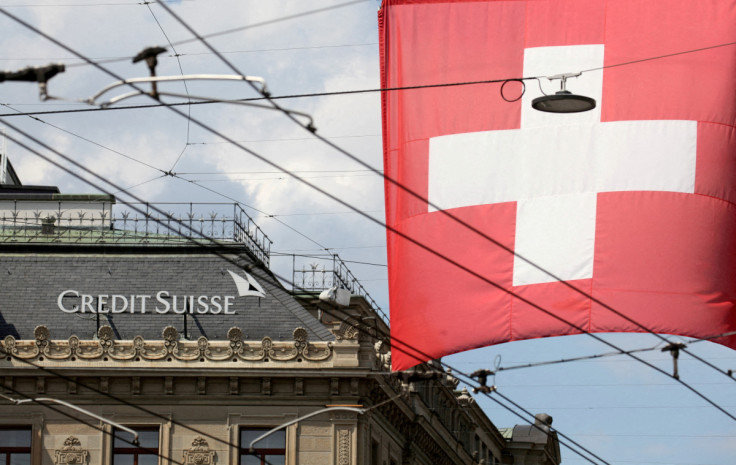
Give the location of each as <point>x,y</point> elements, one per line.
<point>343,447</point>
<point>105,384</point>
<point>201,385</point>
<point>266,387</point>
<point>135,385</point>
<point>169,348</point>
<point>40,385</point>
<point>383,355</point>
<point>348,330</point>
<point>199,453</point>
<point>234,386</point>
<point>334,386</point>
<point>71,453</point>
<point>168,385</point>
<point>299,386</point>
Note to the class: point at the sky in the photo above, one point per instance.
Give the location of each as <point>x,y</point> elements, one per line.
<point>620,410</point>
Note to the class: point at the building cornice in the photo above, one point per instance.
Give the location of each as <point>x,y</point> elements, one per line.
<point>171,352</point>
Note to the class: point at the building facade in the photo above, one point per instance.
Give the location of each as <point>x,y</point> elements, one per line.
<point>172,326</point>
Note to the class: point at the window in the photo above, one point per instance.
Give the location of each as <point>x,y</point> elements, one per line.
<point>15,445</point>
<point>268,451</point>
<point>146,453</point>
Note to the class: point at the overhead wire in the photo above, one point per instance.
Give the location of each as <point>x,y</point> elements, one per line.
<point>505,407</point>
<point>184,82</point>
<point>174,175</point>
<point>219,254</point>
<point>715,336</point>
<point>93,184</point>
<point>658,57</point>
<point>107,60</point>
<point>275,21</point>
<point>37,142</point>
<point>373,219</point>
<point>87,423</point>
<point>446,213</point>
<point>412,240</point>
<point>141,162</point>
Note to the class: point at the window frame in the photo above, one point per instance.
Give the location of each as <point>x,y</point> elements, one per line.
<point>7,452</point>
<point>260,452</point>
<point>137,451</point>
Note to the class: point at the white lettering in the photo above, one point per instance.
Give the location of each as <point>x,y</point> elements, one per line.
<point>101,301</point>
<point>215,301</point>
<point>143,302</point>
<point>203,305</point>
<point>119,303</point>
<point>115,298</point>
<point>183,308</point>
<point>228,301</point>
<point>87,303</point>
<point>160,297</point>
<point>60,302</point>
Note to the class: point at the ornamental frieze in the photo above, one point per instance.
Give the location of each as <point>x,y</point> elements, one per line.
<point>169,348</point>
<point>71,453</point>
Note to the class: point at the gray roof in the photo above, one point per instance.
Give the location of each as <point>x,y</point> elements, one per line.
<point>32,280</point>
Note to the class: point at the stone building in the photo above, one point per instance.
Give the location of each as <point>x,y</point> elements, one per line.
<point>171,325</point>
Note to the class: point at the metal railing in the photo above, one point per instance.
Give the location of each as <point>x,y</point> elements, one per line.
<point>152,224</point>
<point>316,278</point>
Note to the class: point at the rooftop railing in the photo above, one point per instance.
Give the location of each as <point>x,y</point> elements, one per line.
<point>132,223</point>
<point>315,278</point>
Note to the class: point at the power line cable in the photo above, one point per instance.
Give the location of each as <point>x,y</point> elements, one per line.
<point>275,97</point>
<point>659,57</point>
<point>169,173</point>
<point>126,189</point>
<point>89,140</point>
<point>291,116</point>
<point>184,82</point>
<point>107,60</point>
<point>194,242</point>
<point>421,198</point>
<point>79,420</point>
<point>69,171</point>
<point>400,234</point>
<point>275,21</point>
<point>424,247</point>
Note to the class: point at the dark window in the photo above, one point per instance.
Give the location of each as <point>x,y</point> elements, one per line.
<point>268,451</point>
<point>15,445</point>
<point>375,453</point>
<point>125,453</point>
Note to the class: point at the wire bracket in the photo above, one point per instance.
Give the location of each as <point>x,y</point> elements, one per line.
<point>674,349</point>
<point>482,376</point>
<point>39,74</point>
<point>149,55</point>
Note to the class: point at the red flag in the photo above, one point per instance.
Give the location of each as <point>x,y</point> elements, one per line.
<point>632,204</point>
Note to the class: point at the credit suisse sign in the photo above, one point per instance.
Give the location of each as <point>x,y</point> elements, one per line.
<point>161,302</point>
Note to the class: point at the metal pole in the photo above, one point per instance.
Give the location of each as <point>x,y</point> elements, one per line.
<point>78,409</point>
<point>296,420</point>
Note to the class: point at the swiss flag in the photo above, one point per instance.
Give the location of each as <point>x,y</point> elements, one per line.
<point>629,208</point>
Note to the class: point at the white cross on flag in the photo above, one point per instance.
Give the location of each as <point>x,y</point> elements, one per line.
<point>617,219</point>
